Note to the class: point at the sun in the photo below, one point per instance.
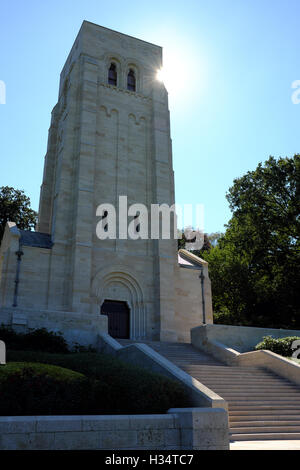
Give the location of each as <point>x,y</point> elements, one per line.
<point>184,70</point>
<point>160,75</point>
<point>173,73</point>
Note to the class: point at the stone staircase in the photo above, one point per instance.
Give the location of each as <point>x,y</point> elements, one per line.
<point>262,405</point>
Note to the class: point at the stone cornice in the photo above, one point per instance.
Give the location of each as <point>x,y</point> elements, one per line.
<point>121,90</point>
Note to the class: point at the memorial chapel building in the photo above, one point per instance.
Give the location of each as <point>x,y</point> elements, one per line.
<point>109,137</point>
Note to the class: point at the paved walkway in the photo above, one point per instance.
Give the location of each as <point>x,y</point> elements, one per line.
<point>265,445</point>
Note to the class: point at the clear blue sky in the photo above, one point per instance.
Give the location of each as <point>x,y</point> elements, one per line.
<point>232,110</point>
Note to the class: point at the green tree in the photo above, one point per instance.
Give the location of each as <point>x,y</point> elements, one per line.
<point>214,238</point>
<point>255,266</point>
<point>15,207</point>
<point>207,242</point>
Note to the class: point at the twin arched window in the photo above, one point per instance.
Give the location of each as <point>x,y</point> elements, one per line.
<point>113,77</point>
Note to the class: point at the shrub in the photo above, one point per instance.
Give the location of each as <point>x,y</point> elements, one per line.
<point>36,340</point>
<point>79,348</point>
<point>115,387</point>
<point>29,389</point>
<point>282,346</point>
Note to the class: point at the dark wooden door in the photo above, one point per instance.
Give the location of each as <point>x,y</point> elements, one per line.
<point>118,318</point>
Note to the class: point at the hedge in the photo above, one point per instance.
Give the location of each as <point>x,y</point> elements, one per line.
<point>101,385</point>
<point>33,389</point>
<point>282,346</point>
<point>36,340</point>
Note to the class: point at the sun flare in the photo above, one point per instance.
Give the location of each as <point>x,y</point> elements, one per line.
<point>173,73</point>
<point>160,75</point>
<point>184,70</point>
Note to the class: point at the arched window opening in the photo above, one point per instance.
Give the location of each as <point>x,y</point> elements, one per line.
<point>131,81</point>
<point>112,74</point>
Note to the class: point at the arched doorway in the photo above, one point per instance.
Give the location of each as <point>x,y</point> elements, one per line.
<point>122,283</point>
<point>118,318</point>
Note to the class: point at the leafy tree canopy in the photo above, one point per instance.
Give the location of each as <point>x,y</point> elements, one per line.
<point>255,266</point>
<point>15,207</point>
<point>209,240</point>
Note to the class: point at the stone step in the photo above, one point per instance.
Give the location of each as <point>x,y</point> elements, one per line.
<point>257,400</point>
<point>232,396</point>
<point>232,378</point>
<point>198,364</point>
<point>253,389</point>
<point>229,374</point>
<point>235,370</point>
<point>261,404</point>
<point>279,401</point>
<point>227,382</point>
<point>189,357</point>
<point>257,385</point>
<point>197,359</point>
<point>242,385</point>
<point>258,390</point>
<point>277,398</point>
<point>267,414</point>
<point>186,354</point>
<point>258,407</point>
<point>212,370</point>
<point>175,350</point>
<point>242,380</point>
<point>265,429</point>
<point>265,436</point>
<point>239,379</point>
<point>223,368</point>
<point>264,423</point>
<point>249,406</point>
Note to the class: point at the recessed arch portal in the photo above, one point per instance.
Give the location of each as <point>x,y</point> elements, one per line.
<point>117,285</point>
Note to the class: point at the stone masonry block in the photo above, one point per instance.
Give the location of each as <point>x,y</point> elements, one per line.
<point>77,440</point>
<point>118,439</point>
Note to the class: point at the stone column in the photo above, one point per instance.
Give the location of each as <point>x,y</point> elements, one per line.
<point>84,210</point>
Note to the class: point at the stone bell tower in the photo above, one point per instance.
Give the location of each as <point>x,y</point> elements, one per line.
<point>109,137</point>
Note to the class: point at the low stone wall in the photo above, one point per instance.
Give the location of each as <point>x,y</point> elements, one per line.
<point>203,338</point>
<point>240,338</point>
<point>143,356</point>
<point>279,365</point>
<point>82,328</point>
<point>191,428</point>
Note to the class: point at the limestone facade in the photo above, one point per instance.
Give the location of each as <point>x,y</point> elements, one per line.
<point>105,141</point>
